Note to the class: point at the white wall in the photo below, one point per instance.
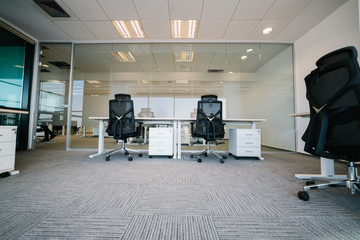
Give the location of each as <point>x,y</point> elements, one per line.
<point>338,30</point>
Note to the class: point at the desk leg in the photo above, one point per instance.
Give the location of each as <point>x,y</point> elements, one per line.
<point>174,139</point>
<point>100,140</point>
<point>179,139</point>
<point>145,134</point>
<point>253,125</point>
<point>327,172</point>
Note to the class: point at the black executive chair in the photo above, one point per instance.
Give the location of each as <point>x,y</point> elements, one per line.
<point>209,124</point>
<point>333,92</point>
<point>122,122</point>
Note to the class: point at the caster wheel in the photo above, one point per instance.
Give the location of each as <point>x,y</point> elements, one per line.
<point>199,160</point>
<point>107,158</point>
<point>140,154</point>
<point>303,195</point>
<point>169,157</point>
<point>224,157</point>
<point>312,182</point>
<point>130,158</point>
<point>237,158</point>
<point>150,156</point>
<point>222,160</point>
<point>191,156</point>
<point>230,154</point>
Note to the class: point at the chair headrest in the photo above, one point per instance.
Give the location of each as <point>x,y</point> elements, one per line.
<point>122,96</point>
<point>337,55</point>
<point>208,97</point>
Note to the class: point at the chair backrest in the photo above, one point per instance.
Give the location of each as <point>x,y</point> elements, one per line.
<point>208,97</point>
<point>333,92</point>
<point>121,119</point>
<point>209,124</point>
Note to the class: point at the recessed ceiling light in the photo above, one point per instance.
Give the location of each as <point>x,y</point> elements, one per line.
<point>244,57</point>
<point>129,28</point>
<point>185,56</point>
<point>182,81</point>
<point>184,28</point>
<point>123,56</point>
<point>231,72</point>
<point>267,30</point>
<point>250,50</point>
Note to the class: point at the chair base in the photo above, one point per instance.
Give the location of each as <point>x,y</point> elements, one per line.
<point>124,151</point>
<point>207,152</point>
<point>351,182</point>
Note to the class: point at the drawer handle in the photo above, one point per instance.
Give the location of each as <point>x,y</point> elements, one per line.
<point>248,151</point>
<point>249,142</point>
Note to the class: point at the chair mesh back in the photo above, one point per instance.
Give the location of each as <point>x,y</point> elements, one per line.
<point>122,96</point>
<point>121,119</point>
<point>209,123</point>
<point>333,91</point>
<point>208,98</point>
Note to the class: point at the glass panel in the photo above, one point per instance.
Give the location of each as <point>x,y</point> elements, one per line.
<point>11,75</point>
<point>53,94</point>
<point>167,80</point>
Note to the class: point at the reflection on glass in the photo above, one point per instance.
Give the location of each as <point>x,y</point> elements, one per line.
<point>11,75</point>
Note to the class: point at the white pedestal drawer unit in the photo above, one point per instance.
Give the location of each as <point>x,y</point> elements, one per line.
<point>161,142</point>
<point>245,143</point>
<point>7,148</point>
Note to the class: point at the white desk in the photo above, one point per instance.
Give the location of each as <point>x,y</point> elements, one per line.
<point>176,122</point>
<point>326,164</point>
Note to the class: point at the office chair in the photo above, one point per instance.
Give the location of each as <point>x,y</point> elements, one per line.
<point>122,123</point>
<point>333,92</point>
<point>209,124</point>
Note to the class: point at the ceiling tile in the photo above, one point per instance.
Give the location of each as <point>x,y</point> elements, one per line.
<point>240,29</point>
<point>277,26</point>
<point>86,9</point>
<point>75,29</point>
<point>154,9</point>
<point>102,29</point>
<point>119,10</point>
<point>185,9</point>
<point>286,9</point>
<point>252,9</point>
<point>212,29</point>
<point>215,9</point>
<point>156,29</point>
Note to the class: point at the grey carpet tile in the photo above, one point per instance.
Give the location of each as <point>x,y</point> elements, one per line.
<point>174,200</point>
<point>164,227</point>
<point>175,176</point>
<point>42,197</point>
<point>332,228</point>
<point>235,201</point>
<point>236,228</point>
<point>14,224</point>
<point>111,199</point>
<point>75,226</point>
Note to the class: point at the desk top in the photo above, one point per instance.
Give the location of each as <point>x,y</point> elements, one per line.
<point>230,120</point>
<point>301,114</point>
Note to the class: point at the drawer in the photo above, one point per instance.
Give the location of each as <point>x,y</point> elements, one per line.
<point>159,150</point>
<point>160,132</point>
<point>8,134</point>
<point>7,163</point>
<point>7,148</point>
<point>250,142</point>
<point>248,133</point>
<point>160,141</point>
<point>248,152</point>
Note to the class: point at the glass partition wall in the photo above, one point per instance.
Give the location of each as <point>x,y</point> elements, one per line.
<point>167,80</point>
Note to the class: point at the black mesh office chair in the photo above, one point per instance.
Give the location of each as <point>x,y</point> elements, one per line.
<point>209,124</point>
<point>122,123</point>
<point>333,92</point>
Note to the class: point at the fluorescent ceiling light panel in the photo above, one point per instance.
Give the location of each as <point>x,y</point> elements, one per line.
<point>184,56</point>
<point>184,28</point>
<point>123,56</point>
<point>267,30</point>
<point>93,81</point>
<point>129,28</point>
<point>182,81</point>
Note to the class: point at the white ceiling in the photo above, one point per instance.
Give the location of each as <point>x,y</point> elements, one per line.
<point>239,22</point>
<point>220,20</point>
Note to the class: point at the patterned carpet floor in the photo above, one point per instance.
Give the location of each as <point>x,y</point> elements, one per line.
<point>67,195</point>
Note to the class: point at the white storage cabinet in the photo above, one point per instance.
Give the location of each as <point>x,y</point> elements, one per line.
<point>7,148</point>
<point>161,142</point>
<point>245,143</point>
